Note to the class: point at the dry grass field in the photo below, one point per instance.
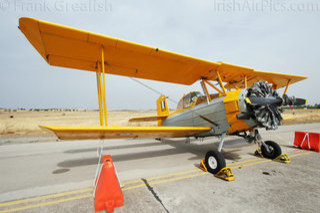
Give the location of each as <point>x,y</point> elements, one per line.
<point>25,123</point>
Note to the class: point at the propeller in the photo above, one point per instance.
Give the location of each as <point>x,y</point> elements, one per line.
<point>284,101</point>
<point>265,105</point>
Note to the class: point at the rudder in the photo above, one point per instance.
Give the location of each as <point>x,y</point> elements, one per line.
<point>162,108</point>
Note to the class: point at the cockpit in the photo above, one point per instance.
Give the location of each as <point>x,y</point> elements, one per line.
<point>189,100</point>
<point>192,99</point>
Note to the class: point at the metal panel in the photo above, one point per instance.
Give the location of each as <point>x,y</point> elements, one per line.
<point>203,115</point>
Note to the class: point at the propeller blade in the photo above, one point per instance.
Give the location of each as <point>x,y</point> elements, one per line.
<point>265,100</point>
<point>300,101</point>
<point>293,100</point>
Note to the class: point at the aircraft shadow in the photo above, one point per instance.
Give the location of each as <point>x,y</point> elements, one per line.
<point>75,151</point>
<point>199,150</point>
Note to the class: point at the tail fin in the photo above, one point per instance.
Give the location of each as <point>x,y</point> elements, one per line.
<point>162,109</point>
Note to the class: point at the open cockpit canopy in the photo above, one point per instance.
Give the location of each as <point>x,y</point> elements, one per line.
<point>188,100</point>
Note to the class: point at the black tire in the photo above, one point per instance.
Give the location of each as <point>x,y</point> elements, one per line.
<point>275,150</point>
<point>214,161</point>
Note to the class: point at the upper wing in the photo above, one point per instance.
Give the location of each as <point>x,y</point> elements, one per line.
<point>73,48</point>
<point>103,132</point>
<point>278,80</point>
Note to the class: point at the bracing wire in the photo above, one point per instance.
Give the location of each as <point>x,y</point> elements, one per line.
<point>156,91</point>
<point>150,88</point>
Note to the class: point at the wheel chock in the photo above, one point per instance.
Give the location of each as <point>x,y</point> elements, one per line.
<point>225,174</point>
<point>258,153</point>
<point>203,166</point>
<point>283,158</point>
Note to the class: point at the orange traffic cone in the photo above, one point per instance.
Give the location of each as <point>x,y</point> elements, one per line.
<point>108,194</point>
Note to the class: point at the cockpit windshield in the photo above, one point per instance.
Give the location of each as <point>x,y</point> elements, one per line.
<point>188,99</point>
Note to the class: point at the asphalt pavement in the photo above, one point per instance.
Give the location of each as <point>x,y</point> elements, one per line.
<point>58,176</point>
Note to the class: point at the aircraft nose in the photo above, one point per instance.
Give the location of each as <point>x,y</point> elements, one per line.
<point>264,105</point>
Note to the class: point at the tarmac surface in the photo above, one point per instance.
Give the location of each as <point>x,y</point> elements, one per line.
<point>58,176</point>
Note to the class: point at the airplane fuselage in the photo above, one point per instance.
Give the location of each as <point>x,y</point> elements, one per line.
<point>220,114</point>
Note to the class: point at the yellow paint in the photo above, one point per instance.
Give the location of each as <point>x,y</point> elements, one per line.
<point>232,96</point>
<point>251,164</point>
<point>197,171</point>
<point>45,197</point>
<point>101,95</point>
<point>104,88</point>
<point>305,153</point>
<point>99,98</point>
<point>244,161</point>
<point>225,174</point>
<point>107,132</point>
<point>221,84</point>
<point>231,102</point>
<point>147,118</point>
<point>231,107</point>
<point>248,100</point>
<point>245,82</point>
<point>174,179</point>
<point>162,110</point>
<point>46,203</point>
<point>78,49</point>
<point>214,87</point>
<point>287,86</point>
<point>203,84</point>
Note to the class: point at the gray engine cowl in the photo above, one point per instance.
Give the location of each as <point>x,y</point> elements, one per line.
<point>265,112</point>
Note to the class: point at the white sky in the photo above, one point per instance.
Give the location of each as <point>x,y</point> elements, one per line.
<point>282,36</point>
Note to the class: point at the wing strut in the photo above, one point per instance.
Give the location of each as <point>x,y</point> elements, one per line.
<point>287,86</point>
<point>101,85</point>
<point>99,96</point>
<point>221,84</point>
<point>245,81</point>
<point>214,87</point>
<point>205,89</point>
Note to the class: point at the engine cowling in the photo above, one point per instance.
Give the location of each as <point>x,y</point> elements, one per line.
<point>263,105</point>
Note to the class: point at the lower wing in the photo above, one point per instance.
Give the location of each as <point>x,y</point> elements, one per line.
<point>147,118</point>
<point>106,132</point>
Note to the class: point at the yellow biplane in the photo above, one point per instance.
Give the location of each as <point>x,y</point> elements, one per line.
<point>245,99</point>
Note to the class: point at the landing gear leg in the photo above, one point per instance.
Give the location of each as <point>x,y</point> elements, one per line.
<point>187,140</point>
<point>221,142</point>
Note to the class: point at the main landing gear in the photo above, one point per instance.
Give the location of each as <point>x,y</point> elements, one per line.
<point>215,163</point>
<point>268,149</point>
<point>214,160</point>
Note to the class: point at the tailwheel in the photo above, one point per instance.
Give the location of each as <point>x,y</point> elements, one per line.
<point>214,161</point>
<point>272,151</point>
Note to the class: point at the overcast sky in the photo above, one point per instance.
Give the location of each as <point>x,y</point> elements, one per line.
<point>277,36</point>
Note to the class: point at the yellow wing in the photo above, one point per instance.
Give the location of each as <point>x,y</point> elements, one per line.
<point>147,118</point>
<point>73,48</point>
<point>103,132</point>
